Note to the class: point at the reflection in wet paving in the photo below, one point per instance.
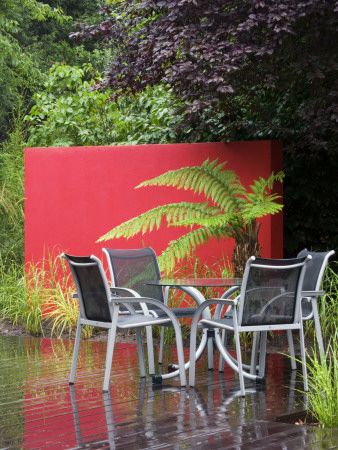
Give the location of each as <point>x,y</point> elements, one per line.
<point>40,410</point>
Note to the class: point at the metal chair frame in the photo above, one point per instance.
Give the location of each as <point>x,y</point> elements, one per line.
<point>112,254</point>
<point>114,320</point>
<point>312,282</point>
<point>234,323</point>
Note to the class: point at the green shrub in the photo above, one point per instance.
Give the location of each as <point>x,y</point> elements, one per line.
<point>69,111</point>
<point>12,190</point>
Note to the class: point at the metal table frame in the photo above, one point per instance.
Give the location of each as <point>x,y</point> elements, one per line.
<point>189,285</point>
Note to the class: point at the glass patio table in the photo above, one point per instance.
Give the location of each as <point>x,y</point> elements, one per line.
<point>190,285</point>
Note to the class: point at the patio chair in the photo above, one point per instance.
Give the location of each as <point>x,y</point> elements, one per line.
<point>312,282</point>
<point>100,306</point>
<point>314,273</point>
<point>270,300</point>
<point>131,269</point>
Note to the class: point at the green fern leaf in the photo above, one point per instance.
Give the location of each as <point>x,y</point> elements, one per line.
<point>151,219</point>
<point>218,221</point>
<point>183,246</point>
<point>220,186</point>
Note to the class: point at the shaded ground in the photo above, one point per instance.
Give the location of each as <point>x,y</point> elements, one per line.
<point>9,329</point>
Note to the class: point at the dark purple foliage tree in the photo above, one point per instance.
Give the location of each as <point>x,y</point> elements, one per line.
<point>258,69</point>
<point>258,64</point>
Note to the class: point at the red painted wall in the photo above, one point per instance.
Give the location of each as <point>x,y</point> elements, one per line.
<point>74,195</point>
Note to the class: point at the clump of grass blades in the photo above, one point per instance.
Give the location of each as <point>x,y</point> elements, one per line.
<point>61,307</point>
<point>328,304</point>
<point>323,386</point>
<point>22,295</point>
<point>39,293</point>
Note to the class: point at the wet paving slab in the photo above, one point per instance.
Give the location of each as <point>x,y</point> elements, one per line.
<point>38,408</point>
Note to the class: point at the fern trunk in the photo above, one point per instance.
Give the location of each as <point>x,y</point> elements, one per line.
<point>246,245</point>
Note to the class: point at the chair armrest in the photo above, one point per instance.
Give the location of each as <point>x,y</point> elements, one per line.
<point>312,293</point>
<point>124,290</point>
<point>143,301</point>
<point>216,301</point>
<point>224,296</point>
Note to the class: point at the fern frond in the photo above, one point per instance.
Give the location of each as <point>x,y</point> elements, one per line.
<point>261,185</point>
<point>262,208</point>
<point>222,187</point>
<point>181,247</point>
<point>147,221</point>
<point>219,221</point>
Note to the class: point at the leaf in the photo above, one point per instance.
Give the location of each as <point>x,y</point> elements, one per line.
<point>221,186</point>
<point>147,221</point>
<point>182,247</point>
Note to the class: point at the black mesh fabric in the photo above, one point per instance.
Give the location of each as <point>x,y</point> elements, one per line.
<point>92,288</point>
<point>313,268</point>
<point>270,293</point>
<point>132,268</point>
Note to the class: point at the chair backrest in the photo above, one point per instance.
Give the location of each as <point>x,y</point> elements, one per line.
<point>132,268</point>
<point>315,268</point>
<point>271,291</point>
<point>91,286</point>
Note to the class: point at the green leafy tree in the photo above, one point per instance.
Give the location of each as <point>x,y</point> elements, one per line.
<point>19,72</point>
<point>230,211</point>
<point>68,111</point>
<point>48,41</point>
<point>12,190</point>
<point>265,65</point>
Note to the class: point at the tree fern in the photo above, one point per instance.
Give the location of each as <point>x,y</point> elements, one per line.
<point>230,211</point>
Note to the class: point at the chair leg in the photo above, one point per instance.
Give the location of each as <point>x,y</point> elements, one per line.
<point>221,359</point>
<point>262,354</point>
<point>160,358</point>
<point>318,329</point>
<point>210,349</point>
<point>180,354</point>
<point>292,349</point>
<point>303,355</point>
<point>150,349</point>
<point>75,352</point>
<point>192,355</point>
<point>239,361</point>
<point>109,357</point>
<point>110,348</point>
<point>140,352</point>
<point>226,295</point>
<point>254,352</point>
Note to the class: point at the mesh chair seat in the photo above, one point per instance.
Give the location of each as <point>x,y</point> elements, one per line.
<point>137,320</point>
